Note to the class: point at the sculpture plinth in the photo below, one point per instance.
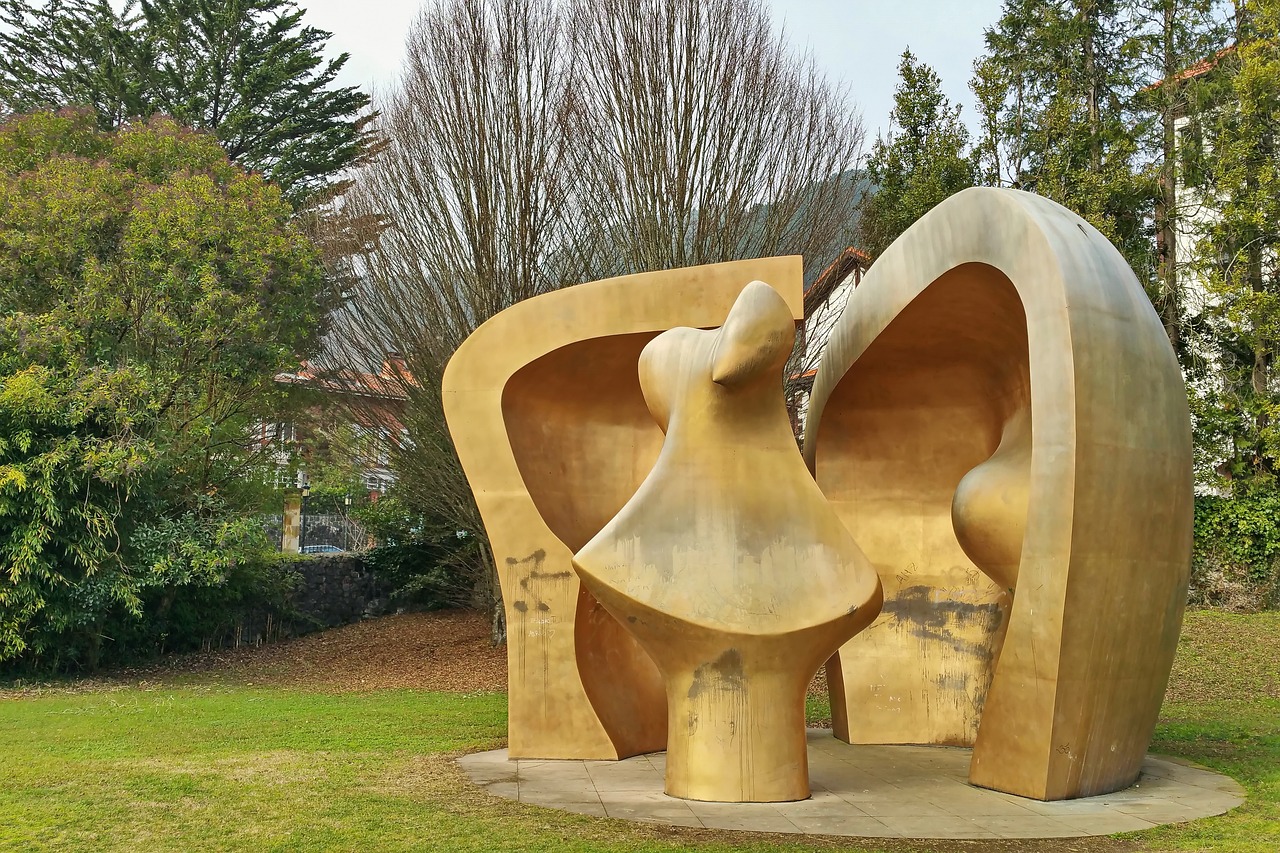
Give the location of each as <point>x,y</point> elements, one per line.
<point>727,565</point>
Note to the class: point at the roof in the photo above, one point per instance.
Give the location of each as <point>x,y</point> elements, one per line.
<point>385,385</point>
<point>837,271</point>
<point>1200,69</point>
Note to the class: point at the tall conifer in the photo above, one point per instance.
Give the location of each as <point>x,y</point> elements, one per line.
<point>923,159</point>
<point>248,70</point>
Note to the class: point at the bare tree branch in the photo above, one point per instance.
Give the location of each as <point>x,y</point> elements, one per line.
<point>532,145</point>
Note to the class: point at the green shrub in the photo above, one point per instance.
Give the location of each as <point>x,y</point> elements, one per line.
<point>427,563</point>
<point>1236,555</point>
<point>150,291</point>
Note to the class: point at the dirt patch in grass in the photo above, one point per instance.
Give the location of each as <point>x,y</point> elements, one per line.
<point>443,650</point>
<point>447,650</point>
<point>1221,657</point>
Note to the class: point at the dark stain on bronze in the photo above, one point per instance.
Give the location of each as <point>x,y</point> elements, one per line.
<point>553,576</point>
<point>927,619</point>
<point>723,673</point>
<point>537,558</point>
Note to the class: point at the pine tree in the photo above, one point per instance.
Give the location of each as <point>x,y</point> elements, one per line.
<point>1055,92</point>
<point>247,70</point>
<point>921,162</point>
<point>253,74</point>
<point>68,52</point>
<point>1237,172</point>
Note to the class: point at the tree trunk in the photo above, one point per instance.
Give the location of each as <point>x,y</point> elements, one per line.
<point>1260,375</point>
<point>1166,209</point>
<point>1089,13</point>
<point>491,596</point>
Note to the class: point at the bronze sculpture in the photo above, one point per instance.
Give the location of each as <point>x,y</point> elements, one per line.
<point>728,565</point>
<point>546,413</point>
<point>1000,425</point>
<point>999,395</point>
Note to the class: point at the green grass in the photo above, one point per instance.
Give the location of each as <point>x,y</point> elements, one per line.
<point>817,710</point>
<point>1223,711</point>
<point>222,766</point>
<point>228,769</point>
<point>1241,740</point>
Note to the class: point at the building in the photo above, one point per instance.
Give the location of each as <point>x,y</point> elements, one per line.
<point>824,302</point>
<point>372,409</point>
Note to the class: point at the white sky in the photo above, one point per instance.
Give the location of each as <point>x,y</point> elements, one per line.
<point>855,41</point>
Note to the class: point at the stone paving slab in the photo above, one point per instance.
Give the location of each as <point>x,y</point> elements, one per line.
<point>863,791</point>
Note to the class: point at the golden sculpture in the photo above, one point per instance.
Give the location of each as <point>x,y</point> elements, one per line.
<point>999,424</point>
<point>728,565</point>
<point>547,416</point>
<point>999,395</point>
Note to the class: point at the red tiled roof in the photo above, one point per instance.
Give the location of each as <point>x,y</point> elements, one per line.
<point>836,272</point>
<point>382,385</point>
<point>1198,70</point>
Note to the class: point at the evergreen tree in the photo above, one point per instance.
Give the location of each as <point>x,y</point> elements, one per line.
<point>67,52</point>
<point>1235,163</point>
<point>1055,91</point>
<point>921,162</point>
<point>247,70</point>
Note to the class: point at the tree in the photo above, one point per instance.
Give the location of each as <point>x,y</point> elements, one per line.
<point>1235,159</point>
<point>149,291</point>
<point>1176,38</point>
<point>1055,91</point>
<point>922,162</point>
<point>248,70</point>
<point>708,139</point>
<point>67,52</point>
<point>477,184</point>
<point>531,146</point>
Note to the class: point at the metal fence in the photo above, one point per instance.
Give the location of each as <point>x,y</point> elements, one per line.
<point>322,533</point>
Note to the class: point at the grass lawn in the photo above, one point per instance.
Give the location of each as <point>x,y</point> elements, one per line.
<point>215,763</point>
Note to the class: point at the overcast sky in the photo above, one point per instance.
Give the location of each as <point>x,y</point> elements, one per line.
<point>856,41</point>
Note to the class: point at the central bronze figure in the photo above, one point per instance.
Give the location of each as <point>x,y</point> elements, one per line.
<point>728,565</point>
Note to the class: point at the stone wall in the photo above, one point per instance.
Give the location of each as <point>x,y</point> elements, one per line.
<point>332,590</point>
<point>339,589</point>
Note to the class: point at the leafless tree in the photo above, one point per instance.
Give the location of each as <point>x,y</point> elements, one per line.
<point>710,140</point>
<point>532,145</point>
<point>474,189</point>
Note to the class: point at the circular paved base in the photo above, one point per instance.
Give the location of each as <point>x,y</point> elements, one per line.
<point>869,791</point>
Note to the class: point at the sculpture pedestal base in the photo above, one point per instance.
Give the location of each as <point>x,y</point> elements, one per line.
<point>736,735</point>
<point>929,780</point>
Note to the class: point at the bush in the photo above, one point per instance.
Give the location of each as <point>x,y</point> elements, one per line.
<point>1236,556</point>
<point>168,619</point>
<point>427,563</point>
<point>150,291</point>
